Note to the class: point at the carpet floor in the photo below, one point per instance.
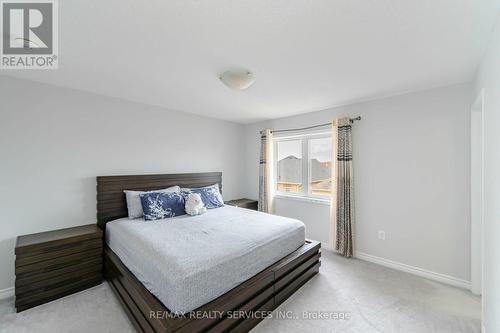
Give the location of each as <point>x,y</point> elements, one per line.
<point>347,296</point>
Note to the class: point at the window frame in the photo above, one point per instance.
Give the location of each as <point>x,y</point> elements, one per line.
<point>305,139</point>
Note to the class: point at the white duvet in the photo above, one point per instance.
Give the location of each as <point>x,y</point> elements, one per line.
<point>188,261</point>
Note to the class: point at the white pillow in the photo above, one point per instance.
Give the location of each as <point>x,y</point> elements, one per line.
<point>134,205</point>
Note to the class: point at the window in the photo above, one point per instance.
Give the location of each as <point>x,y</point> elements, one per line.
<point>289,167</point>
<point>320,166</point>
<point>303,165</point>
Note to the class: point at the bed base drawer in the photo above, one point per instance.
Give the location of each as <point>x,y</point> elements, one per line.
<point>296,272</point>
<point>287,291</point>
<point>261,293</point>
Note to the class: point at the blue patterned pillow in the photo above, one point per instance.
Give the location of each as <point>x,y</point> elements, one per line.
<point>160,205</point>
<point>210,195</point>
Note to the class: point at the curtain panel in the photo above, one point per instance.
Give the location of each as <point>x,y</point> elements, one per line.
<point>342,205</point>
<point>265,172</point>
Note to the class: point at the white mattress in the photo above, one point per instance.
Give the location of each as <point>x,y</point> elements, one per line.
<point>188,261</point>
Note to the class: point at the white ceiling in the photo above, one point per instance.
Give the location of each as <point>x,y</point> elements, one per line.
<point>306,55</point>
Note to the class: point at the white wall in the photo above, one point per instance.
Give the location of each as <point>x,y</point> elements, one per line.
<point>489,79</point>
<point>55,141</point>
<point>411,164</point>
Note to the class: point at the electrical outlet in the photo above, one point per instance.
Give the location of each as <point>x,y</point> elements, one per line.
<point>381,234</point>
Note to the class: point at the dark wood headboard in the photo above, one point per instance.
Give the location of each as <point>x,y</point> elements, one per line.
<point>111,204</point>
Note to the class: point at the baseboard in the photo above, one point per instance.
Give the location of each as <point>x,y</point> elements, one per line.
<point>6,293</point>
<point>453,281</point>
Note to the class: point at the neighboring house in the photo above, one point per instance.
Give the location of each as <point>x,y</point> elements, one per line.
<point>289,175</point>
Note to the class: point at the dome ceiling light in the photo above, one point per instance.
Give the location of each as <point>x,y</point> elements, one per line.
<point>239,79</point>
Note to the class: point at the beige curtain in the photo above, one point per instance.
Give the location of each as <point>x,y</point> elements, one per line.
<point>342,200</point>
<point>265,172</point>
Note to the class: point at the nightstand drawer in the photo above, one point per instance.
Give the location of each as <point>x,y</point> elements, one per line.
<point>56,263</point>
<point>33,299</point>
<point>57,252</point>
<point>55,240</point>
<point>78,266</point>
<point>57,281</point>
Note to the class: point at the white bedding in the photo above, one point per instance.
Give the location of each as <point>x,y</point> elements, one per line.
<point>188,261</point>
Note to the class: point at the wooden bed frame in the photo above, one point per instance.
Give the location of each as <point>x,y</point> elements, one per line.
<point>239,310</point>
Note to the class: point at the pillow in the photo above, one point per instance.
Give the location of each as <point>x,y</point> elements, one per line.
<point>160,205</point>
<point>210,195</point>
<point>134,205</point>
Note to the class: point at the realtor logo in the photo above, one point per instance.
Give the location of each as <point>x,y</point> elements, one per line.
<point>29,34</point>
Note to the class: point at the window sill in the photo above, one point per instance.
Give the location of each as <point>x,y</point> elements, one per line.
<point>303,199</point>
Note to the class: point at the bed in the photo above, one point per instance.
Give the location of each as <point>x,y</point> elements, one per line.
<point>193,274</point>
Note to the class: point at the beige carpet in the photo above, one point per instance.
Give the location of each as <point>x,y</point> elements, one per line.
<point>375,298</point>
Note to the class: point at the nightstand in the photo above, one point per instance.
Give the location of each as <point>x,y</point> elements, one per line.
<point>53,264</point>
<point>243,203</point>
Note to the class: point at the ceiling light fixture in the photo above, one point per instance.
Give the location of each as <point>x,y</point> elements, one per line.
<point>238,79</point>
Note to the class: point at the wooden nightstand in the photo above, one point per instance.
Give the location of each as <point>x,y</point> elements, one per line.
<point>53,264</point>
<point>243,203</point>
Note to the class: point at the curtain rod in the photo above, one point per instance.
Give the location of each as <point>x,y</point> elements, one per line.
<point>311,127</point>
